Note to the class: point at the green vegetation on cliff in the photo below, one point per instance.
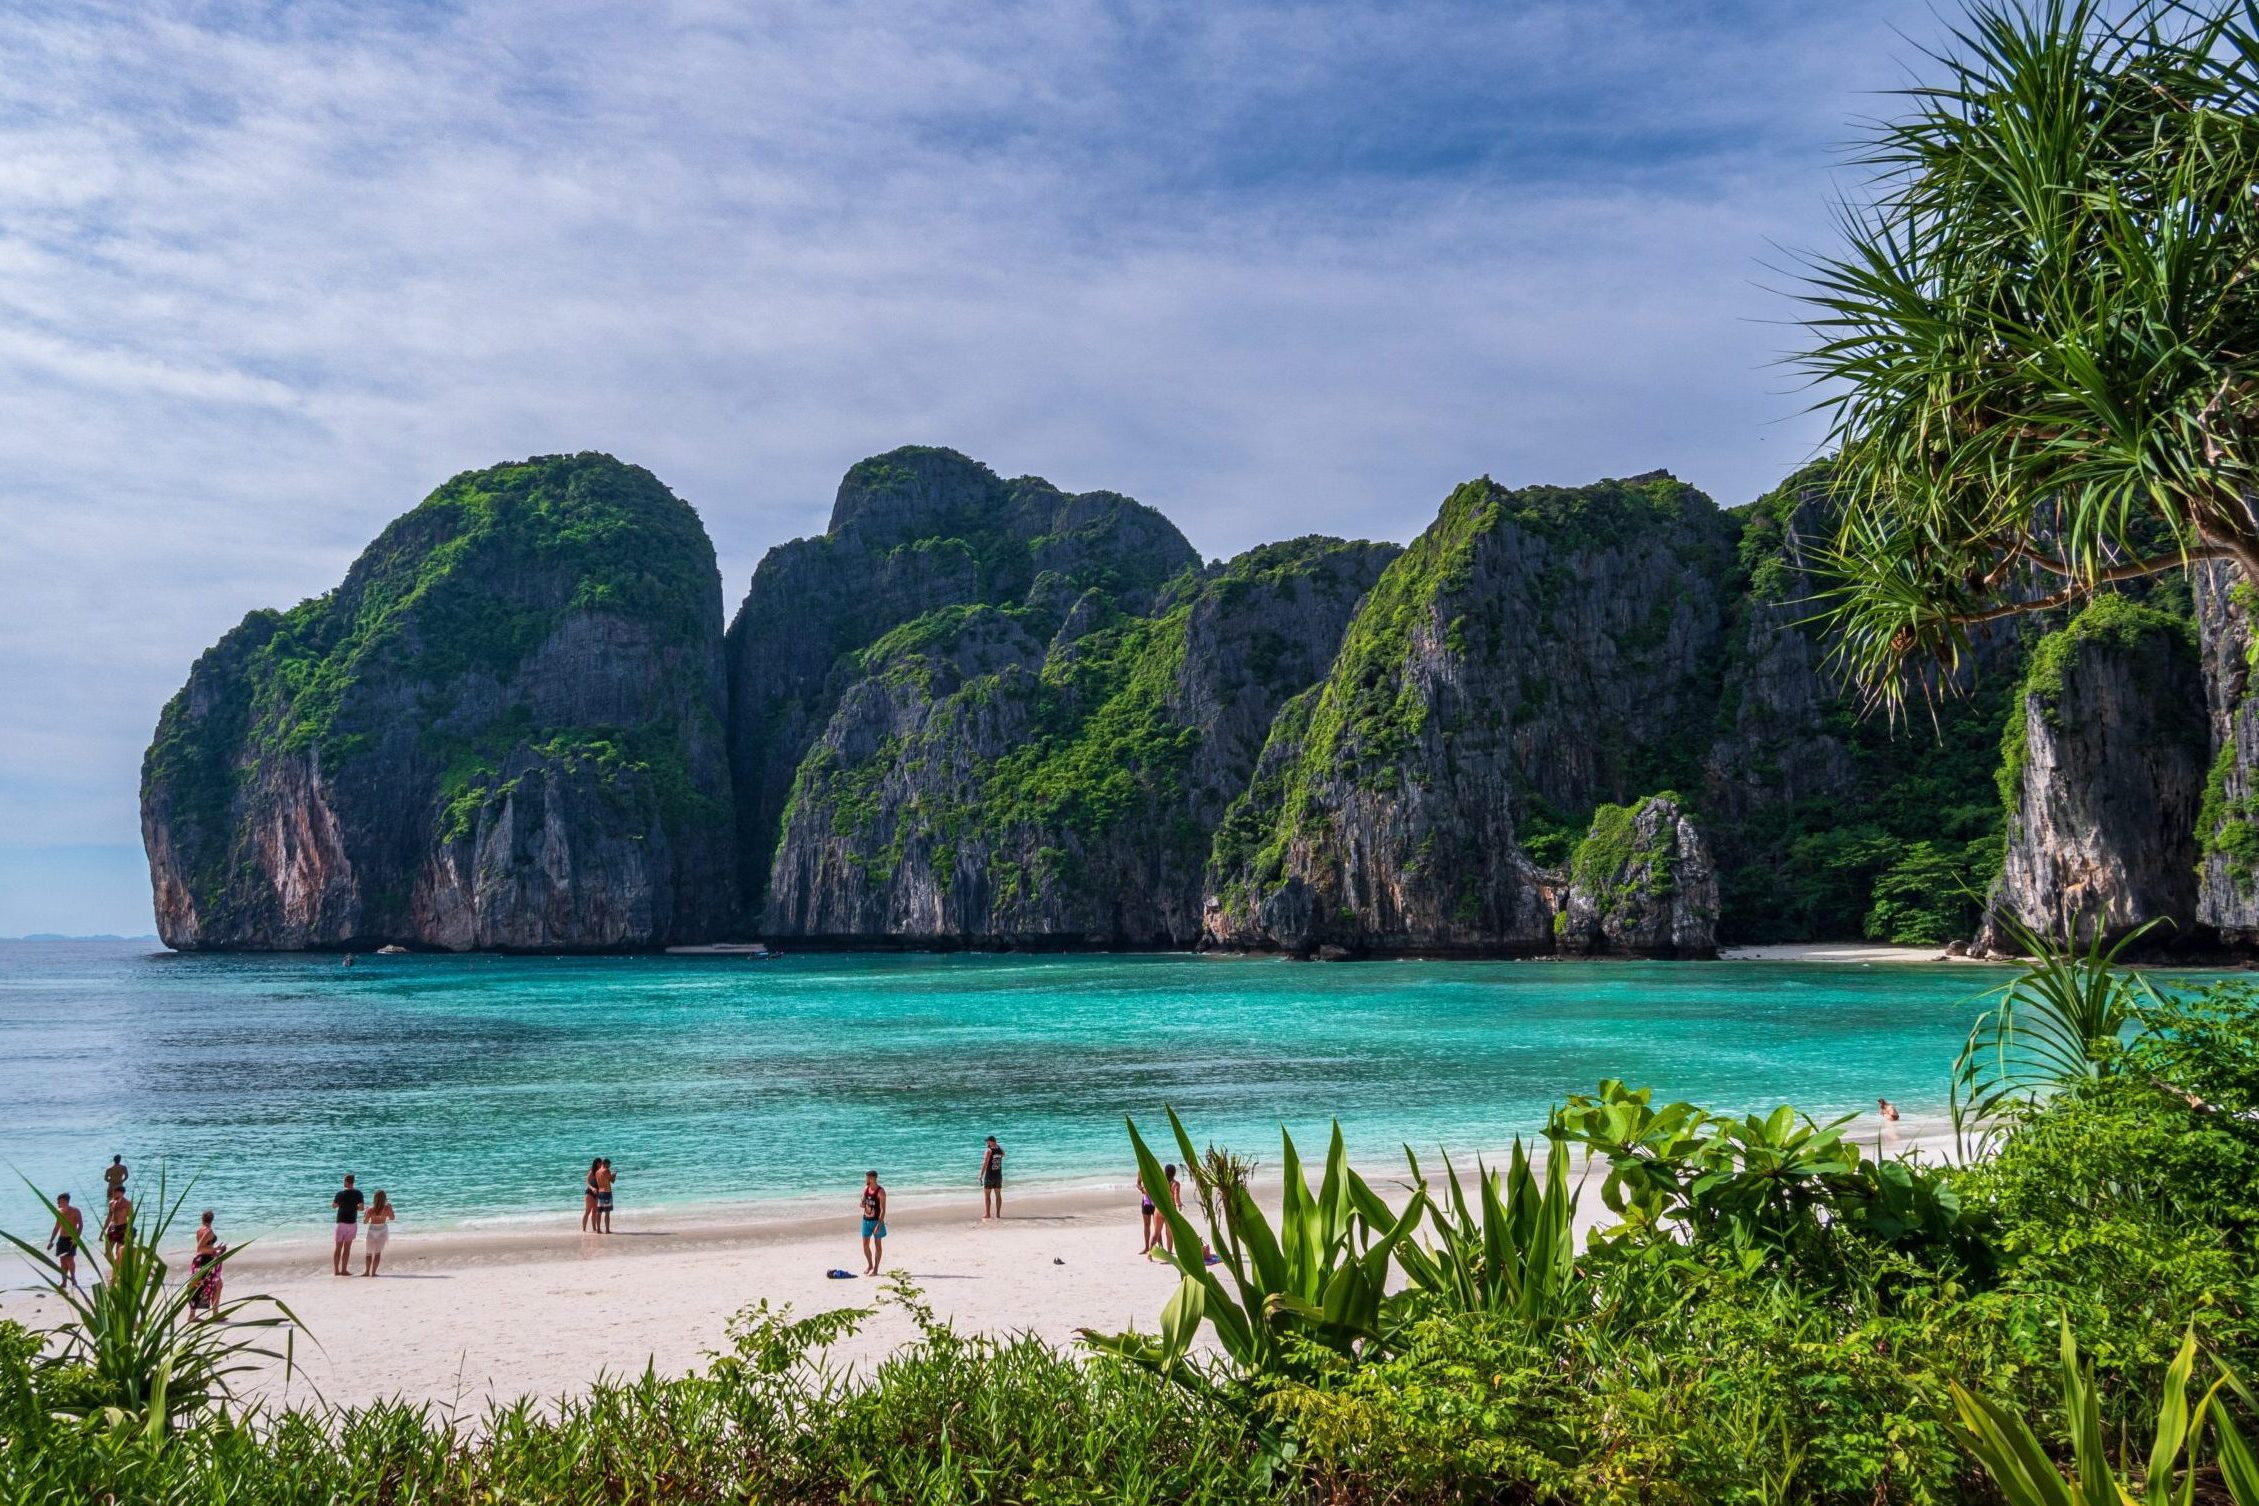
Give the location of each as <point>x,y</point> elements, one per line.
<point>1105,730</point>
<point>403,682</point>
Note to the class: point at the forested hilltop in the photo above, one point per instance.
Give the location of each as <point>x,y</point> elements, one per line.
<point>986,712</point>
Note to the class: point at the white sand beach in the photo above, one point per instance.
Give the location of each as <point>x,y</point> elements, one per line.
<point>465,1315</point>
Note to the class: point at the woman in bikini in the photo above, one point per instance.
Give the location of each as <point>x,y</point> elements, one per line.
<point>376,1228</point>
<point>1148,1219</point>
<point>204,1269</point>
<point>588,1196</point>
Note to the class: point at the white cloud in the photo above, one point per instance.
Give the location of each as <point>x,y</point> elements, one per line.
<point>268,275</point>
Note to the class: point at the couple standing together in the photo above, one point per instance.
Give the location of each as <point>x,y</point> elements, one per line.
<point>348,1204</point>
<point>596,1198</point>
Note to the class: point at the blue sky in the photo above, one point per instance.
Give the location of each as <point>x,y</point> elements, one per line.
<point>269,273</point>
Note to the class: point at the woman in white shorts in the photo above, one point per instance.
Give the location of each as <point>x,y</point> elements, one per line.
<point>376,1229</point>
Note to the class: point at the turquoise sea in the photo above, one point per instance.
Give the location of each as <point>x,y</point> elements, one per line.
<point>479,1087</point>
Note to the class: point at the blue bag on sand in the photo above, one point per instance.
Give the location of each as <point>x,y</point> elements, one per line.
<point>839,1275</point>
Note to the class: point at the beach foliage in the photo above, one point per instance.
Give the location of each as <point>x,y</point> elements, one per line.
<point>132,1353</point>
<point>2059,1021</point>
<point>1314,1283</point>
<point>2037,343</point>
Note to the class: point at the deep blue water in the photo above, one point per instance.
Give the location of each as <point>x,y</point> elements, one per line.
<point>481,1086</point>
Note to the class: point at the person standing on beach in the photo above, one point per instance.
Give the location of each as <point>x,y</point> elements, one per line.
<point>1176,1201</point>
<point>588,1196</point>
<point>70,1231</point>
<point>992,1181</point>
<point>874,1222</point>
<point>604,1179</point>
<point>204,1279</point>
<point>1148,1218</point>
<point>348,1205</point>
<point>116,1223</point>
<point>379,1220</point>
<point>114,1175</point>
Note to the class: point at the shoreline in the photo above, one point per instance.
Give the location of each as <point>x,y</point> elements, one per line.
<point>463,1317</point>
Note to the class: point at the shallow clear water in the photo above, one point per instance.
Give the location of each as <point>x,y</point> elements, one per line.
<point>481,1086</point>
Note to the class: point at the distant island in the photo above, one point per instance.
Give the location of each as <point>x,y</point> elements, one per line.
<point>980,712</point>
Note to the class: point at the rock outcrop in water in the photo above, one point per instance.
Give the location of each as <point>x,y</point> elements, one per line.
<point>503,730</point>
<point>2104,770</point>
<point>1641,885</point>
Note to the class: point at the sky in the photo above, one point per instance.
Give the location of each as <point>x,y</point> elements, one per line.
<point>271,272</point>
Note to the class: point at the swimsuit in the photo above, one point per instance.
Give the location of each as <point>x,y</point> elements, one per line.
<point>874,1227</point>
<point>65,1247</point>
<point>378,1232</point>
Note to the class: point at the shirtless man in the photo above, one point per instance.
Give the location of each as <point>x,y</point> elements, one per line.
<point>116,1223</point>
<point>604,1179</point>
<point>114,1175</point>
<point>70,1233</point>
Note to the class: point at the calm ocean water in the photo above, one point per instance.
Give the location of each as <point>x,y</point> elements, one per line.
<point>474,1087</point>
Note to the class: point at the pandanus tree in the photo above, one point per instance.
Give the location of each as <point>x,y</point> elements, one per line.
<point>2040,343</point>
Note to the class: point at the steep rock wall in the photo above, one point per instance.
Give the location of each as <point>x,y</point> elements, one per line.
<point>1016,775</point>
<point>504,729</point>
<point>912,532</point>
<point>2103,770</point>
<point>1533,654</point>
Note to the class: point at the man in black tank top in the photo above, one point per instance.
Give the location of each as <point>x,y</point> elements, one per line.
<point>992,1181</point>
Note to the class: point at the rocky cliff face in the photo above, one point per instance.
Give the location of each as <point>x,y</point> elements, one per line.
<point>912,532</point>
<point>2227,827</point>
<point>1029,776</point>
<point>2103,771</point>
<point>503,730</point>
<point>1533,654</point>
<point>1641,885</point>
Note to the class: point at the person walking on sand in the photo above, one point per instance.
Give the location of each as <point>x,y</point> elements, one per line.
<point>379,1221</point>
<point>874,1223</point>
<point>348,1205</point>
<point>117,1222</point>
<point>204,1279</point>
<point>588,1196</point>
<point>70,1231</point>
<point>605,1178</point>
<point>992,1181</point>
<point>114,1175</point>
<point>1148,1218</point>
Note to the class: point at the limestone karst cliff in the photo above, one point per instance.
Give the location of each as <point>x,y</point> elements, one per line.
<point>1532,655</point>
<point>986,712</point>
<point>503,730</point>
<point>914,531</point>
<point>2103,771</point>
<point>1025,775</point>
